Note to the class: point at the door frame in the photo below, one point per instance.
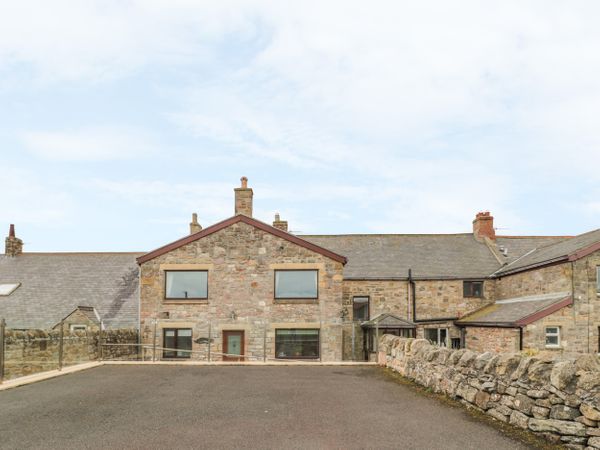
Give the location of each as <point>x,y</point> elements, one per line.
<point>226,334</point>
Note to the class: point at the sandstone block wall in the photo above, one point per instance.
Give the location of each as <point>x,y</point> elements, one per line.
<point>487,339</point>
<point>557,398</point>
<point>32,351</point>
<point>241,261</point>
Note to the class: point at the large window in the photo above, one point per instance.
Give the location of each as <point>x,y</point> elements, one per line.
<point>360,308</point>
<point>175,341</point>
<point>437,336</point>
<point>297,343</point>
<point>296,284</point>
<point>552,336</point>
<point>186,285</point>
<point>473,289</point>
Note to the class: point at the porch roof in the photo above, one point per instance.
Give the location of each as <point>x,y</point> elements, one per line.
<point>387,320</point>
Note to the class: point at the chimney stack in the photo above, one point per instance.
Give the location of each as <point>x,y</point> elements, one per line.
<point>195,227</point>
<point>280,224</point>
<point>483,226</point>
<point>243,199</point>
<point>13,245</point>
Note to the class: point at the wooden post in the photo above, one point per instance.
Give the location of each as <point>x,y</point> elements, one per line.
<point>353,340</point>
<point>209,339</point>
<point>100,352</point>
<point>320,340</point>
<point>2,328</point>
<point>60,345</point>
<point>265,344</point>
<point>154,342</point>
<point>376,338</point>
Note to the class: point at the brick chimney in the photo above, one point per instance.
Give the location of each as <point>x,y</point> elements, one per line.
<point>483,226</point>
<point>280,224</point>
<point>195,227</point>
<point>243,199</point>
<point>13,245</point>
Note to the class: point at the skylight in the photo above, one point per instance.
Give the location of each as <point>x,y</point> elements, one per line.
<point>8,288</point>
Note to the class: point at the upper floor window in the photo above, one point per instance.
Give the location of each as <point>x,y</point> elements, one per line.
<point>186,285</point>
<point>473,289</point>
<point>552,336</point>
<point>598,279</point>
<point>296,284</point>
<point>360,308</point>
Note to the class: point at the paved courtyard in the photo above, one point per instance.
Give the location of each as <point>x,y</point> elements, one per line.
<point>235,407</point>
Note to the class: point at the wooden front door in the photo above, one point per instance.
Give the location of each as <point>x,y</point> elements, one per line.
<point>233,345</point>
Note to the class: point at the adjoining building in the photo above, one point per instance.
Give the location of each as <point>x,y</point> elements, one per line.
<point>244,289</point>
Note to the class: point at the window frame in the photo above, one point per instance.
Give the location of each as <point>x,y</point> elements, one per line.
<point>187,354</point>
<point>183,299</point>
<point>77,327</point>
<point>311,299</point>
<point>598,280</point>
<point>438,333</point>
<point>300,357</point>
<point>557,335</point>
<point>470,294</point>
<point>368,307</point>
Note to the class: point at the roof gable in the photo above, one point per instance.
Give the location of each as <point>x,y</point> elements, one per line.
<point>249,221</point>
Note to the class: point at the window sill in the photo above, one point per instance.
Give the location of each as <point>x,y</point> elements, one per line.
<point>185,302</point>
<point>301,301</point>
<point>553,347</point>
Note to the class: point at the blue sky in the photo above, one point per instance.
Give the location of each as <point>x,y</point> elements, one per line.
<point>119,119</point>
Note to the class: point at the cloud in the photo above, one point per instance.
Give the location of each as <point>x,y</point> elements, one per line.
<point>91,144</point>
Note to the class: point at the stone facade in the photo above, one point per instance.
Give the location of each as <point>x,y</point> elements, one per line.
<point>33,351</point>
<point>241,261</point>
<point>488,339</point>
<point>544,280</point>
<point>558,399</point>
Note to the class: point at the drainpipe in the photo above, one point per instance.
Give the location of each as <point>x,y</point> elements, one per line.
<point>520,339</point>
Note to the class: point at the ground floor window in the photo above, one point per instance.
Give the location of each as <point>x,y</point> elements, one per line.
<point>175,341</point>
<point>297,343</point>
<point>552,336</point>
<point>437,336</point>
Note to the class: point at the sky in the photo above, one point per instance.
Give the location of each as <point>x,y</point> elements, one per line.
<point>118,119</point>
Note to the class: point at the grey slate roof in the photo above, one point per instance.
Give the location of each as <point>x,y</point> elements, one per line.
<point>553,252</point>
<point>380,256</point>
<point>517,246</point>
<point>54,284</point>
<point>511,311</point>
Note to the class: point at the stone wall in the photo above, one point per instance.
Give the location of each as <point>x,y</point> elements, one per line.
<point>558,398</point>
<point>545,280</point>
<point>482,339</point>
<point>32,351</point>
<point>241,261</point>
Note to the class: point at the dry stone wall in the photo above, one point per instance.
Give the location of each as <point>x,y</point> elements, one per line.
<point>31,351</point>
<point>558,398</point>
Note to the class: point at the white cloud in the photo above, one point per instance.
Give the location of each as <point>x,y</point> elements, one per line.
<point>91,144</point>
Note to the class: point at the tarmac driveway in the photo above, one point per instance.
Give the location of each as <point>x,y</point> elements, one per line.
<point>235,407</point>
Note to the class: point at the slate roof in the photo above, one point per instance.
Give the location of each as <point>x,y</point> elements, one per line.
<point>517,311</point>
<point>381,256</point>
<point>54,284</point>
<point>517,246</point>
<point>554,252</point>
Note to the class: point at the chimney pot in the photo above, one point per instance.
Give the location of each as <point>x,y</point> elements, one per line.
<point>13,246</point>
<point>195,227</point>
<point>483,226</point>
<point>280,224</point>
<point>243,198</point>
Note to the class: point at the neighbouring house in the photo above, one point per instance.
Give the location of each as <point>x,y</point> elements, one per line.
<point>244,289</point>
<point>38,290</point>
<point>82,318</point>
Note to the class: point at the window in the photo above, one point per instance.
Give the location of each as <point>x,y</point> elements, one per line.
<point>175,340</point>
<point>360,308</point>
<point>297,344</point>
<point>552,336</point>
<point>77,327</point>
<point>296,284</point>
<point>186,285</point>
<point>455,342</point>
<point>437,336</point>
<point>473,289</point>
<point>7,289</point>
<point>598,279</point>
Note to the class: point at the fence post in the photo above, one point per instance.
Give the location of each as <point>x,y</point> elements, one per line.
<point>265,344</point>
<point>353,341</point>
<point>154,342</point>
<point>60,345</point>
<point>2,328</point>
<point>100,350</point>
<point>209,339</point>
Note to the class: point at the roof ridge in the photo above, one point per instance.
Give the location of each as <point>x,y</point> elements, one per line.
<point>79,253</point>
<point>536,236</point>
<point>385,234</point>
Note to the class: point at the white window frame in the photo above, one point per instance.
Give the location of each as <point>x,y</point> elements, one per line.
<point>598,280</point>
<point>549,334</point>
<point>77,327</point>
<point>438,342</point>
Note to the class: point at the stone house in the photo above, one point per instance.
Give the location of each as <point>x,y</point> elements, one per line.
<point>243,289</point>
